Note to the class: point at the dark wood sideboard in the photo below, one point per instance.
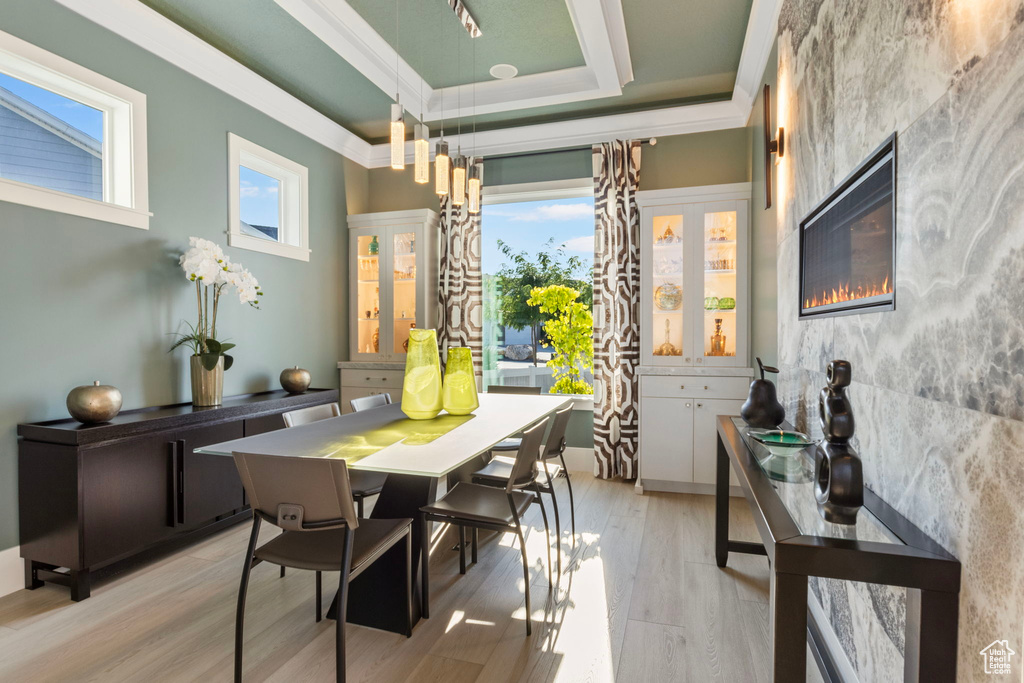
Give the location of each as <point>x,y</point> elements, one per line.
<point>93,497</point>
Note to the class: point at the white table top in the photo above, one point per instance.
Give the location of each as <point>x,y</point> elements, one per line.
<point>385,440</point>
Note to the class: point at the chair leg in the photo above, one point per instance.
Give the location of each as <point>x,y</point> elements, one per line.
<point>408,584</point>
<point>282,571</point>
<point>319,598</point>
<point>526,577</point>
<point>476,542</point>
<point>424,568</point>
<point>242,589</point>
<point>547,530</point>
<point>339,625</point>
<point>558,523</point>
<point>572,504</point>
<point>359,506</point>
<point>462,549</point>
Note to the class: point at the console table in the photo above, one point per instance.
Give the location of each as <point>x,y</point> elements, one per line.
<point>883,547</point>
<point>90,496</point>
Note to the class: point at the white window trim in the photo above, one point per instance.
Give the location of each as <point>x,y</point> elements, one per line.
<point>294,198</point>
<point>125,158</point>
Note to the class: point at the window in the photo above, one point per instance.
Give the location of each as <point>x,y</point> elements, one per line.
<point>71,140</point>
<point>532,235</point>
<point>269,205</point>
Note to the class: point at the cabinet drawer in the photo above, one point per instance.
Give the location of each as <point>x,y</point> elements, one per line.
<point>694,387</point>
<point>385,379</point>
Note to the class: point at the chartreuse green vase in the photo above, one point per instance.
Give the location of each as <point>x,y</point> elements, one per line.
<point>460,382</point>
<point>421,391</point>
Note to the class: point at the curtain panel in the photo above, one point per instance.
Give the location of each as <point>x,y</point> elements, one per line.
<point>460,293</point>
<point>616,308</point>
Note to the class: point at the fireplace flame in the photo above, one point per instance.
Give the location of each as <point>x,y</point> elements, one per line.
<point>845,292</point>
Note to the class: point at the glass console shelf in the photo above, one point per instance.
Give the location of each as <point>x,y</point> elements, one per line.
<point>883,547</point>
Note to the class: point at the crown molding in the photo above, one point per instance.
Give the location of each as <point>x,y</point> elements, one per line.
<point>155,33</point>
<point>600,28</point>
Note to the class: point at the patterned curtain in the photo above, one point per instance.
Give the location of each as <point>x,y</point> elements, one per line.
<point>616,308</point>
<point>460,295</point>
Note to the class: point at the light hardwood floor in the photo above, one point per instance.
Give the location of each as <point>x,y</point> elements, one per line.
<point>639,599</point>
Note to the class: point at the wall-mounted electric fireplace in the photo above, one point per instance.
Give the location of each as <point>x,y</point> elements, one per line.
<point>848,242</point>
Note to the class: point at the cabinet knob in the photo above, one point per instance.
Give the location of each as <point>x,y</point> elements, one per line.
<point>705,387</point>
<point>687,405</point>
<point>682,386</point>
<point>687,360</point>
<point>700,360</point>
<point>700,405</point>
<point>367,379</point>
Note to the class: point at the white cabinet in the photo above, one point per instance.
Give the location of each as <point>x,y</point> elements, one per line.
<point>393,275</point>
<point>671,453</point>
<point>694,298</point>
<point>369,379</point>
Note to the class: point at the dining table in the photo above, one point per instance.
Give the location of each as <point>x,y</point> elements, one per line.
<point>414,454</point>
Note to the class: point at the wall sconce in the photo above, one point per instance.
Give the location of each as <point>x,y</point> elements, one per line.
<point>776,146</point>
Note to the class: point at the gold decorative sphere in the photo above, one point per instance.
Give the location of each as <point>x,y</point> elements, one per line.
<point>295,380</point>
<point>94,403</point>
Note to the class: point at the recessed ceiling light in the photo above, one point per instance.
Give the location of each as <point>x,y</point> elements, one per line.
<point>504,71</point>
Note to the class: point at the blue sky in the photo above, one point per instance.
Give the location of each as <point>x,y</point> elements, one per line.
<point>82,117</point>
<point>526,226</point>
<point>258,196</point>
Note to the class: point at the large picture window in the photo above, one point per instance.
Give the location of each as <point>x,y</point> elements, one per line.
<point>71,140</point>
<point>532,237</point>
<point>269,203</point>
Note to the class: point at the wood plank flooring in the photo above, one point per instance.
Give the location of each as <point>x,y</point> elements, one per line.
<point>639,599</point>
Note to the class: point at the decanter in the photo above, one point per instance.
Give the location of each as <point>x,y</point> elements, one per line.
<point>718,340</point>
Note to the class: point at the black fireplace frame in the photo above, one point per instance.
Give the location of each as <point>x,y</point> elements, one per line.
<point>854,178</point>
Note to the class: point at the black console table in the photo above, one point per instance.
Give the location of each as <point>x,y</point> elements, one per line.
<point>883,547</point>
<point>92,496</point>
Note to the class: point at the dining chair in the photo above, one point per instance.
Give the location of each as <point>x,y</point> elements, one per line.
<point>498,471</point>
<point>511,444</point>
<point>310,499</point>
<point>487,507</point>
<point>364,484</point>
<point>368,402</point>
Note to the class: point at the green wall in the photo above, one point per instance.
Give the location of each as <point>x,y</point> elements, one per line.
<point>763,243</point>
<point>713,158</point>
<point>87,300</point>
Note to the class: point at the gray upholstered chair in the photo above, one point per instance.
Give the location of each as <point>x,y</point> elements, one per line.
<point>364,484</point>
<point>509,445</point>
<point>498,471</point>
<point>368,402</point>
<point>494,509</point>
<point>311,500</point>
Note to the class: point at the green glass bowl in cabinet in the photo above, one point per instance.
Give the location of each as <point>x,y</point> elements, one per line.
<point>421,390</point>
<point>710,303</point>
<point>459,393</point>
<point>780,442</point>
<point>726,303</point>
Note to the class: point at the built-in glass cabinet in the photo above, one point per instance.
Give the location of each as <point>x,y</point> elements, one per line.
<point>392,281</point>
<point>694,291</point>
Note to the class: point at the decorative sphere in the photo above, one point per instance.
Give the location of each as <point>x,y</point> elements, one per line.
<point>94,403</point>
<point>295,380</point>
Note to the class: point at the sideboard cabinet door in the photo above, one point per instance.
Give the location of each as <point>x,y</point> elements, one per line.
<point>667,443</point>
<point>209,484</point>
<point>127,490</point>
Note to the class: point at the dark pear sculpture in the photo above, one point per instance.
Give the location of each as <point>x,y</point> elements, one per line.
<point>762,408</point>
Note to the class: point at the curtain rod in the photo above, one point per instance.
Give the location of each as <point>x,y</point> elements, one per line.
<point>518,155</point>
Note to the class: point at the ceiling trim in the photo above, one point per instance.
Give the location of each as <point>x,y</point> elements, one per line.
<point>152,31</point>
<point>155,33</point>
<point>600,28</point>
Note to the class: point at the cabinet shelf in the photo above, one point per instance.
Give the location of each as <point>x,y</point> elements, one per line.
<point>724,271</point>
<point>718,243</point>
<point>369,256</point>
<point>368,282</point>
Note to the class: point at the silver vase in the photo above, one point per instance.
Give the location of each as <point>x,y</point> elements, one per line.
<point>207,385</point>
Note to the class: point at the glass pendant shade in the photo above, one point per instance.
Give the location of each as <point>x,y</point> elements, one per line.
<point>421,389</point>
<point>442,169</point>
<point>459,394</point>
<point>473,188</point>
<point>422,148</point>
<point>397,137</point>
<point>459,181</point>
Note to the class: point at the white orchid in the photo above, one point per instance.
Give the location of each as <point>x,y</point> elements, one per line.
<point>206,265</point>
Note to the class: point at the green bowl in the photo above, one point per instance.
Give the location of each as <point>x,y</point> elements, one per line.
<point>782,443</point>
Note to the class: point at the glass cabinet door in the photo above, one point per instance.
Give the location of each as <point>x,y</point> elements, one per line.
<point>667,320</point>
<point>369,248</point>
<point>723,337</point>
<point>403,277</point>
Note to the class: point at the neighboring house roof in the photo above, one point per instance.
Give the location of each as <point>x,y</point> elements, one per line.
<point>49,122</point>
<point>263,231</point>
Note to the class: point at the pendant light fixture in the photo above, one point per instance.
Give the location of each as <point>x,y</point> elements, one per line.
<point>397,116</point>
<point>421,145</point>
<point>459,165</point>
<point>475,163</point>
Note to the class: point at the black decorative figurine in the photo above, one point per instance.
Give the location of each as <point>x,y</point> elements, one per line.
<point>838,481</point>
<point>762,408</point>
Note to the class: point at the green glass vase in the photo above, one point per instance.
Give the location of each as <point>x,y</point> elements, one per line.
<point>459,393</point>
<point>421,390</point>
